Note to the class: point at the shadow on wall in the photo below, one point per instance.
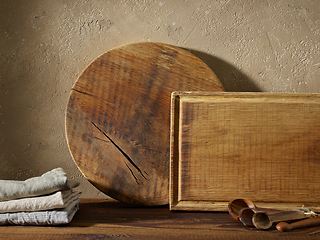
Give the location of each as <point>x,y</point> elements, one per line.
<point>232,79</point>
<point>16,77</point>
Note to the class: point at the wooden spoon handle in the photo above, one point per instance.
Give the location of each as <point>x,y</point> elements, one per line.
<point>310,222</point>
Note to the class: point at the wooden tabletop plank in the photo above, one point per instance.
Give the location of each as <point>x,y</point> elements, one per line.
<point>110,219</point>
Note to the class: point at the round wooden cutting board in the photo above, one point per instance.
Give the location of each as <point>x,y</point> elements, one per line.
<point>118,118</point>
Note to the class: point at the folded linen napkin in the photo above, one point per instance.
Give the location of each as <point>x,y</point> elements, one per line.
<point>60,199</point>
<point>52,181</point>
<point>52,217</point>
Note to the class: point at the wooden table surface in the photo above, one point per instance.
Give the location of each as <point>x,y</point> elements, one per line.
<point>109,219</point>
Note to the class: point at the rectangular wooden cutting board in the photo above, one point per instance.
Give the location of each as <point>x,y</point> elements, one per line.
<point>259,146</point>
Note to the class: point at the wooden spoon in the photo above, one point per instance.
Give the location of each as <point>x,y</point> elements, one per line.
<point>310,222</point>
<point>263,220</point>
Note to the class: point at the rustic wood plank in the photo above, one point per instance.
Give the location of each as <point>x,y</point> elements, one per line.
<point>118,118</point>
<point>109,219</point>
<point>260,146</point>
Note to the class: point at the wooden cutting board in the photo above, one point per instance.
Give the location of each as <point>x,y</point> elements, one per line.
<point>264,147</point>
<point>118,118</point>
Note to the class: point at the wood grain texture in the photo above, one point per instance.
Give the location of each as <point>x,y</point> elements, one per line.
<point>118,118</point>
<point>259,146</point>
<point>108,219</point>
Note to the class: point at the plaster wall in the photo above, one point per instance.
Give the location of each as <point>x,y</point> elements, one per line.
<point>252,45</point>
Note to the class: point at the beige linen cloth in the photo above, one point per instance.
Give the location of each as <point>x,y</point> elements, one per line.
<point>52,217</point>
<point>52,181</point>
<point>59,199</point>
<point>45,200</point>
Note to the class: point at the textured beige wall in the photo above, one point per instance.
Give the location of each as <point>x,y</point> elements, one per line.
<point>252,45</point>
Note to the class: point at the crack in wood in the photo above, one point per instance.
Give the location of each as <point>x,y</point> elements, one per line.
<point>101,139</point>
<point>83,92</point>
<point>124,154</point>
<point>134,176</point>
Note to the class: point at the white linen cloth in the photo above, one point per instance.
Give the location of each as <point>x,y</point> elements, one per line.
<point>60,199</point>
<point>52,217</point>
<point>52,181</point>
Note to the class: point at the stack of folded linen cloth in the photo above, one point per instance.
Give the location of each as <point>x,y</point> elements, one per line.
<point>45,200</point>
